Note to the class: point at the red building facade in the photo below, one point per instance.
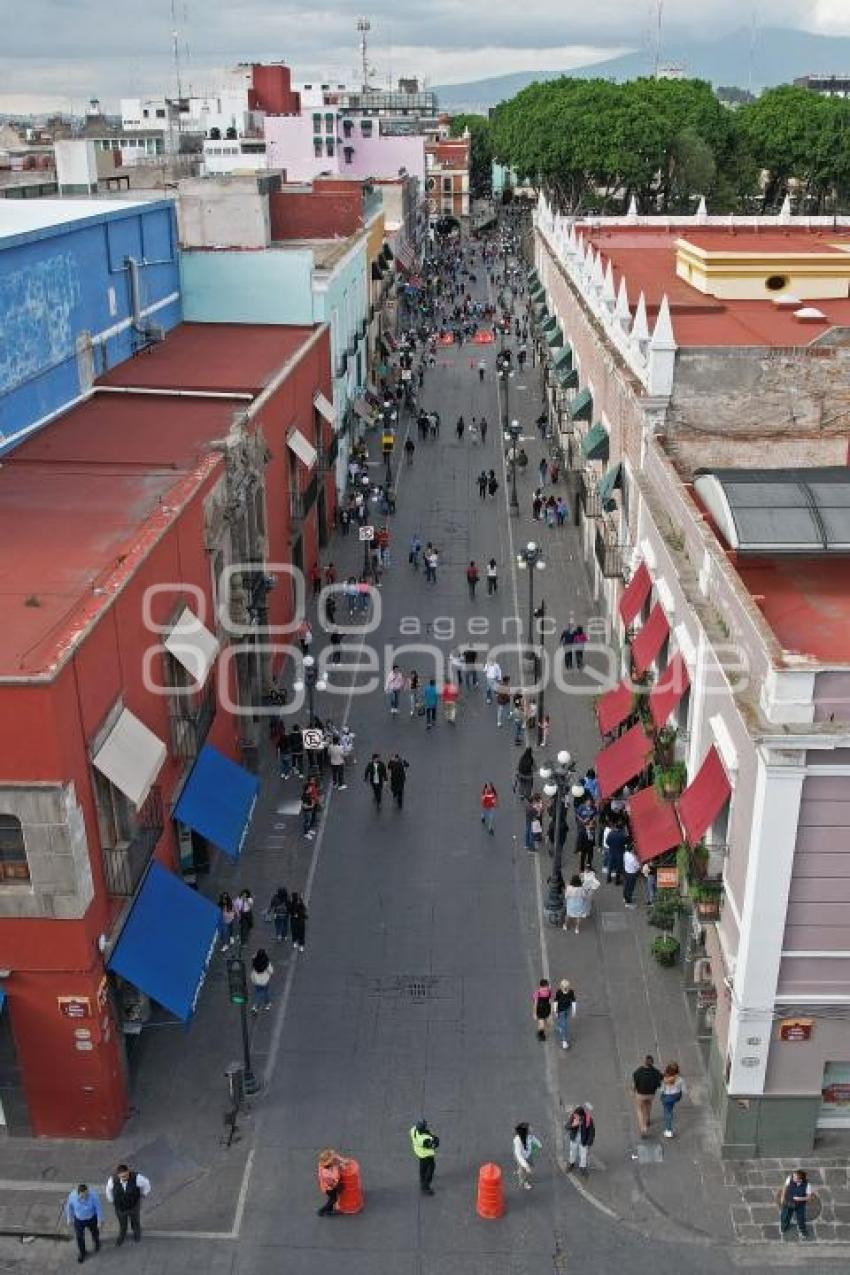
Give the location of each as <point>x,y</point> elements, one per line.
<point>140,533</point>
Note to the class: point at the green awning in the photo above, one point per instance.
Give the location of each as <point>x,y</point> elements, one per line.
<point>550,324</point>
<point>554,337</point>
<point>594,445</point>
<point>540,310</point>
<point>581,408</point>
<point>538,292</point>
<point>533,276</point>
<point>567,378</point>
<point>564,357</point>
<point>610,479</point>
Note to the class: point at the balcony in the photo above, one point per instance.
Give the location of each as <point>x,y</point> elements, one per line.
<point>589,496</point>
<point>191,717</point>
<point>609,551</point>
<point>125,863</point>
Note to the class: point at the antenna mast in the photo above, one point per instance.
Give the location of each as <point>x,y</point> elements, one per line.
<point>364,26</point>
<point>659,23</point>
<point>175,44</point>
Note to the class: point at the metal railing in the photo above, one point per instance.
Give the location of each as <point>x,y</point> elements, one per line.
<point>191,718</point>
<point>124,863</point>
<point>588,494</point>
<point>608,550</point>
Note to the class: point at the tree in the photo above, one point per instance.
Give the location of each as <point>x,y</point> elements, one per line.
<point>481,147</point>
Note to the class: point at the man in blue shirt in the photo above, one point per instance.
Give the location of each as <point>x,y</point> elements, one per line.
<point>83,1210</point>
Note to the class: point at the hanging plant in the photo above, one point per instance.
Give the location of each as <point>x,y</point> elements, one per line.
<point>665,743</point>
<point>670,780</point>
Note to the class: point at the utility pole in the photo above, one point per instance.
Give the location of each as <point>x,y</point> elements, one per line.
<point>364,26</point>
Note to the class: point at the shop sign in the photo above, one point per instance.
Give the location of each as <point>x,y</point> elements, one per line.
<point>74,1006</point>
<point>668,878</point>
<point>796,1029</point>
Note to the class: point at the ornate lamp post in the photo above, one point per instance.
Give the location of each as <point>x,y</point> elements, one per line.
<point>311,682</point>
<point>556,776</point>
<point>530,559</point>
<point>513,433</point>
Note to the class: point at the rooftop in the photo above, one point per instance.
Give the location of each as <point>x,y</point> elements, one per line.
<point>326,252</point>
<point>646,256</point>
<point>83,500</point>
<point>20,218</point>
<point>805,601</point>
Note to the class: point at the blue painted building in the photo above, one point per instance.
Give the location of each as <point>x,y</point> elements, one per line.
<point>84,284</point>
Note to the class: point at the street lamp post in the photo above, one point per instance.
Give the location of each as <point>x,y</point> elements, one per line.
<point>540,616</point>
<point>514,435</point>
<point>503,365</point>
<point>238,990</point>
<point>530,559</point>
<point>311,682</point>
<point>555,776</point>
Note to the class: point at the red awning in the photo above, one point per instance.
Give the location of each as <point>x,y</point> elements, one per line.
<point>635,594</point>
<point>702,801</point>
<point>614,707</point>
<point>669,689</point>
<point>622,760</point>
<point>650,640</point>
<point>655,828</point>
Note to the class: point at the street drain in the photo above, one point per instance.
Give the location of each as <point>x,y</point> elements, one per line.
<point>413,987</point>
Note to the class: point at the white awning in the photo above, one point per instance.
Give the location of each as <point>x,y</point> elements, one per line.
<point>131,757</point>
<point>193,645</point>
<point>302,447</point>
<point>324,406</point>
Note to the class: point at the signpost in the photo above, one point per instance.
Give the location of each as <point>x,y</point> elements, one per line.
<point>367,535</point>
<point>313,739</point>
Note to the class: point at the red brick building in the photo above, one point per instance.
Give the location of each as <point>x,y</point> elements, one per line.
<point>447,177</point>
<point>128,676</point>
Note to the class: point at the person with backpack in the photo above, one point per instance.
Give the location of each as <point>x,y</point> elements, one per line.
<point>581,1134</point>
<point>261,974</point>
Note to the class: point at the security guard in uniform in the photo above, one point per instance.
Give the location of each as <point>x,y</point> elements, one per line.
<point>425,1144</point>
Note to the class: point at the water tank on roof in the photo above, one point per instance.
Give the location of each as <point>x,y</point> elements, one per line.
<point>44,161</point>
<point>215,134</point>
<point>231,134</point>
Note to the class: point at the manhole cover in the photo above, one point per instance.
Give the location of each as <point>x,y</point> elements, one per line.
<point>414,987</point>
<point>649,1153</point>
<point>613,921</point>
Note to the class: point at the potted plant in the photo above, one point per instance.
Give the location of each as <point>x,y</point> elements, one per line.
<point>698,856</point>
<point>705,896</point>
<point>665,909</point>
<point>670,780</point>
<point>665,949</point>
<point>665,743</point>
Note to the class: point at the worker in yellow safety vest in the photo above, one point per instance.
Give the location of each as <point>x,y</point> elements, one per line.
<point>425,1144</point>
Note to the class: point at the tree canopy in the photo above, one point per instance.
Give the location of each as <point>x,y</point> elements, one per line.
<point>481,148</point>
<point>592,145</point>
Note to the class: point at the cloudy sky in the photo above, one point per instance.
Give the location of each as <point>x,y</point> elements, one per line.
<point>55,54</point>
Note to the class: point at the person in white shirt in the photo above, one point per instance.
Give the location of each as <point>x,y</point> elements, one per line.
<point>526,1146</point>
<point>125,1190</point>
<point>394,685</point>
<point>492,678</point>
<point>631,872</point>
<point>336,758</point>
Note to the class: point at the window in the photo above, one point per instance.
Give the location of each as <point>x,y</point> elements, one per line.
<point>776,282</point>
<point>317,147</point>
<point>330,125</point>
<point>366,128</point>
<point>13,853</point>
<point>114,812</point>
<point>347,126</point>
<point>447,185</point>
<point>349,153</point>
<point>329,146</point>
<point>146,113</point>
<point>317,122</point>
<point>160,113</point>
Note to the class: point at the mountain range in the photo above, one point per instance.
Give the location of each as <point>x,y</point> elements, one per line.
<point>773,55</point>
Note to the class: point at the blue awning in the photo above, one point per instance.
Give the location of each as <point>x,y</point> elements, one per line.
<point>167,941</point>
<point>2,999</point>
<point>218,800</point>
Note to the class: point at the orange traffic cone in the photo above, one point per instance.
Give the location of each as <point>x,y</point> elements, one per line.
<point>350,1198</point>
<point>491,1193</point>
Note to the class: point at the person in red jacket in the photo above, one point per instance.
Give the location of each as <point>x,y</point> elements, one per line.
<point>450,695</point>
<point>489,802</point>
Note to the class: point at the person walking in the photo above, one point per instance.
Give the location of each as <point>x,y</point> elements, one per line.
<point>525,774</point>
<point>459,427</point>
<point>125,1191</point>
<point>670,1094</point>
<point>278,913</point>
<point>450,694</point>
<point>482,368</point>
<point>541,1007</point>
<point>489,803</point>
<point>336,760</point>
<point>296,747</point>
<point>577,901</point>
<point>297,921</point>
<point>482,484</point>
<point>482,425</point>
<point>261,975</point>
<point>492,577</point>
<point>376,776</point>
<point>631,872</point>
<point>565,1008</point>
<point>796,1194</point>
<point>244,906</point>
<point>492,678</point>
<point>525,1147</point>
<point>431,698</point>
<point>330,1167</point>
<point>397,770</point>
<point>646,1081</point>
<point>424,1143</point>
<point>472,578</point>
<point>226,920</point>
<point>413,691</point>
<point>581,1134</point>
<point>284,752</point>
<point>492,482</point>
<point>394,685</point>
<point>84,1211</point>
<point>503,698</point>
<point>309,809</point>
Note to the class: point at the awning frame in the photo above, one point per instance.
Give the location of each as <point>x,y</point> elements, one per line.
<point>192,644</point>
<point>301,447</point>
<point>325,407</point>
<point>130,757</point>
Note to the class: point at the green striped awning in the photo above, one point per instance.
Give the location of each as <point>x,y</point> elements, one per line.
<point>537,293</point>
<point>594,445</point>
<point>609,481</point>
<point>540,311</point>
<point>533,276</point>
<point>554,337</point>
<point>564,357</point>
<point>550,324</point>
<point>567,377</point>
<point>581,408</point>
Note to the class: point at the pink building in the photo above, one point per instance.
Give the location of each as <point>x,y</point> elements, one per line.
<point>322,141</point>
